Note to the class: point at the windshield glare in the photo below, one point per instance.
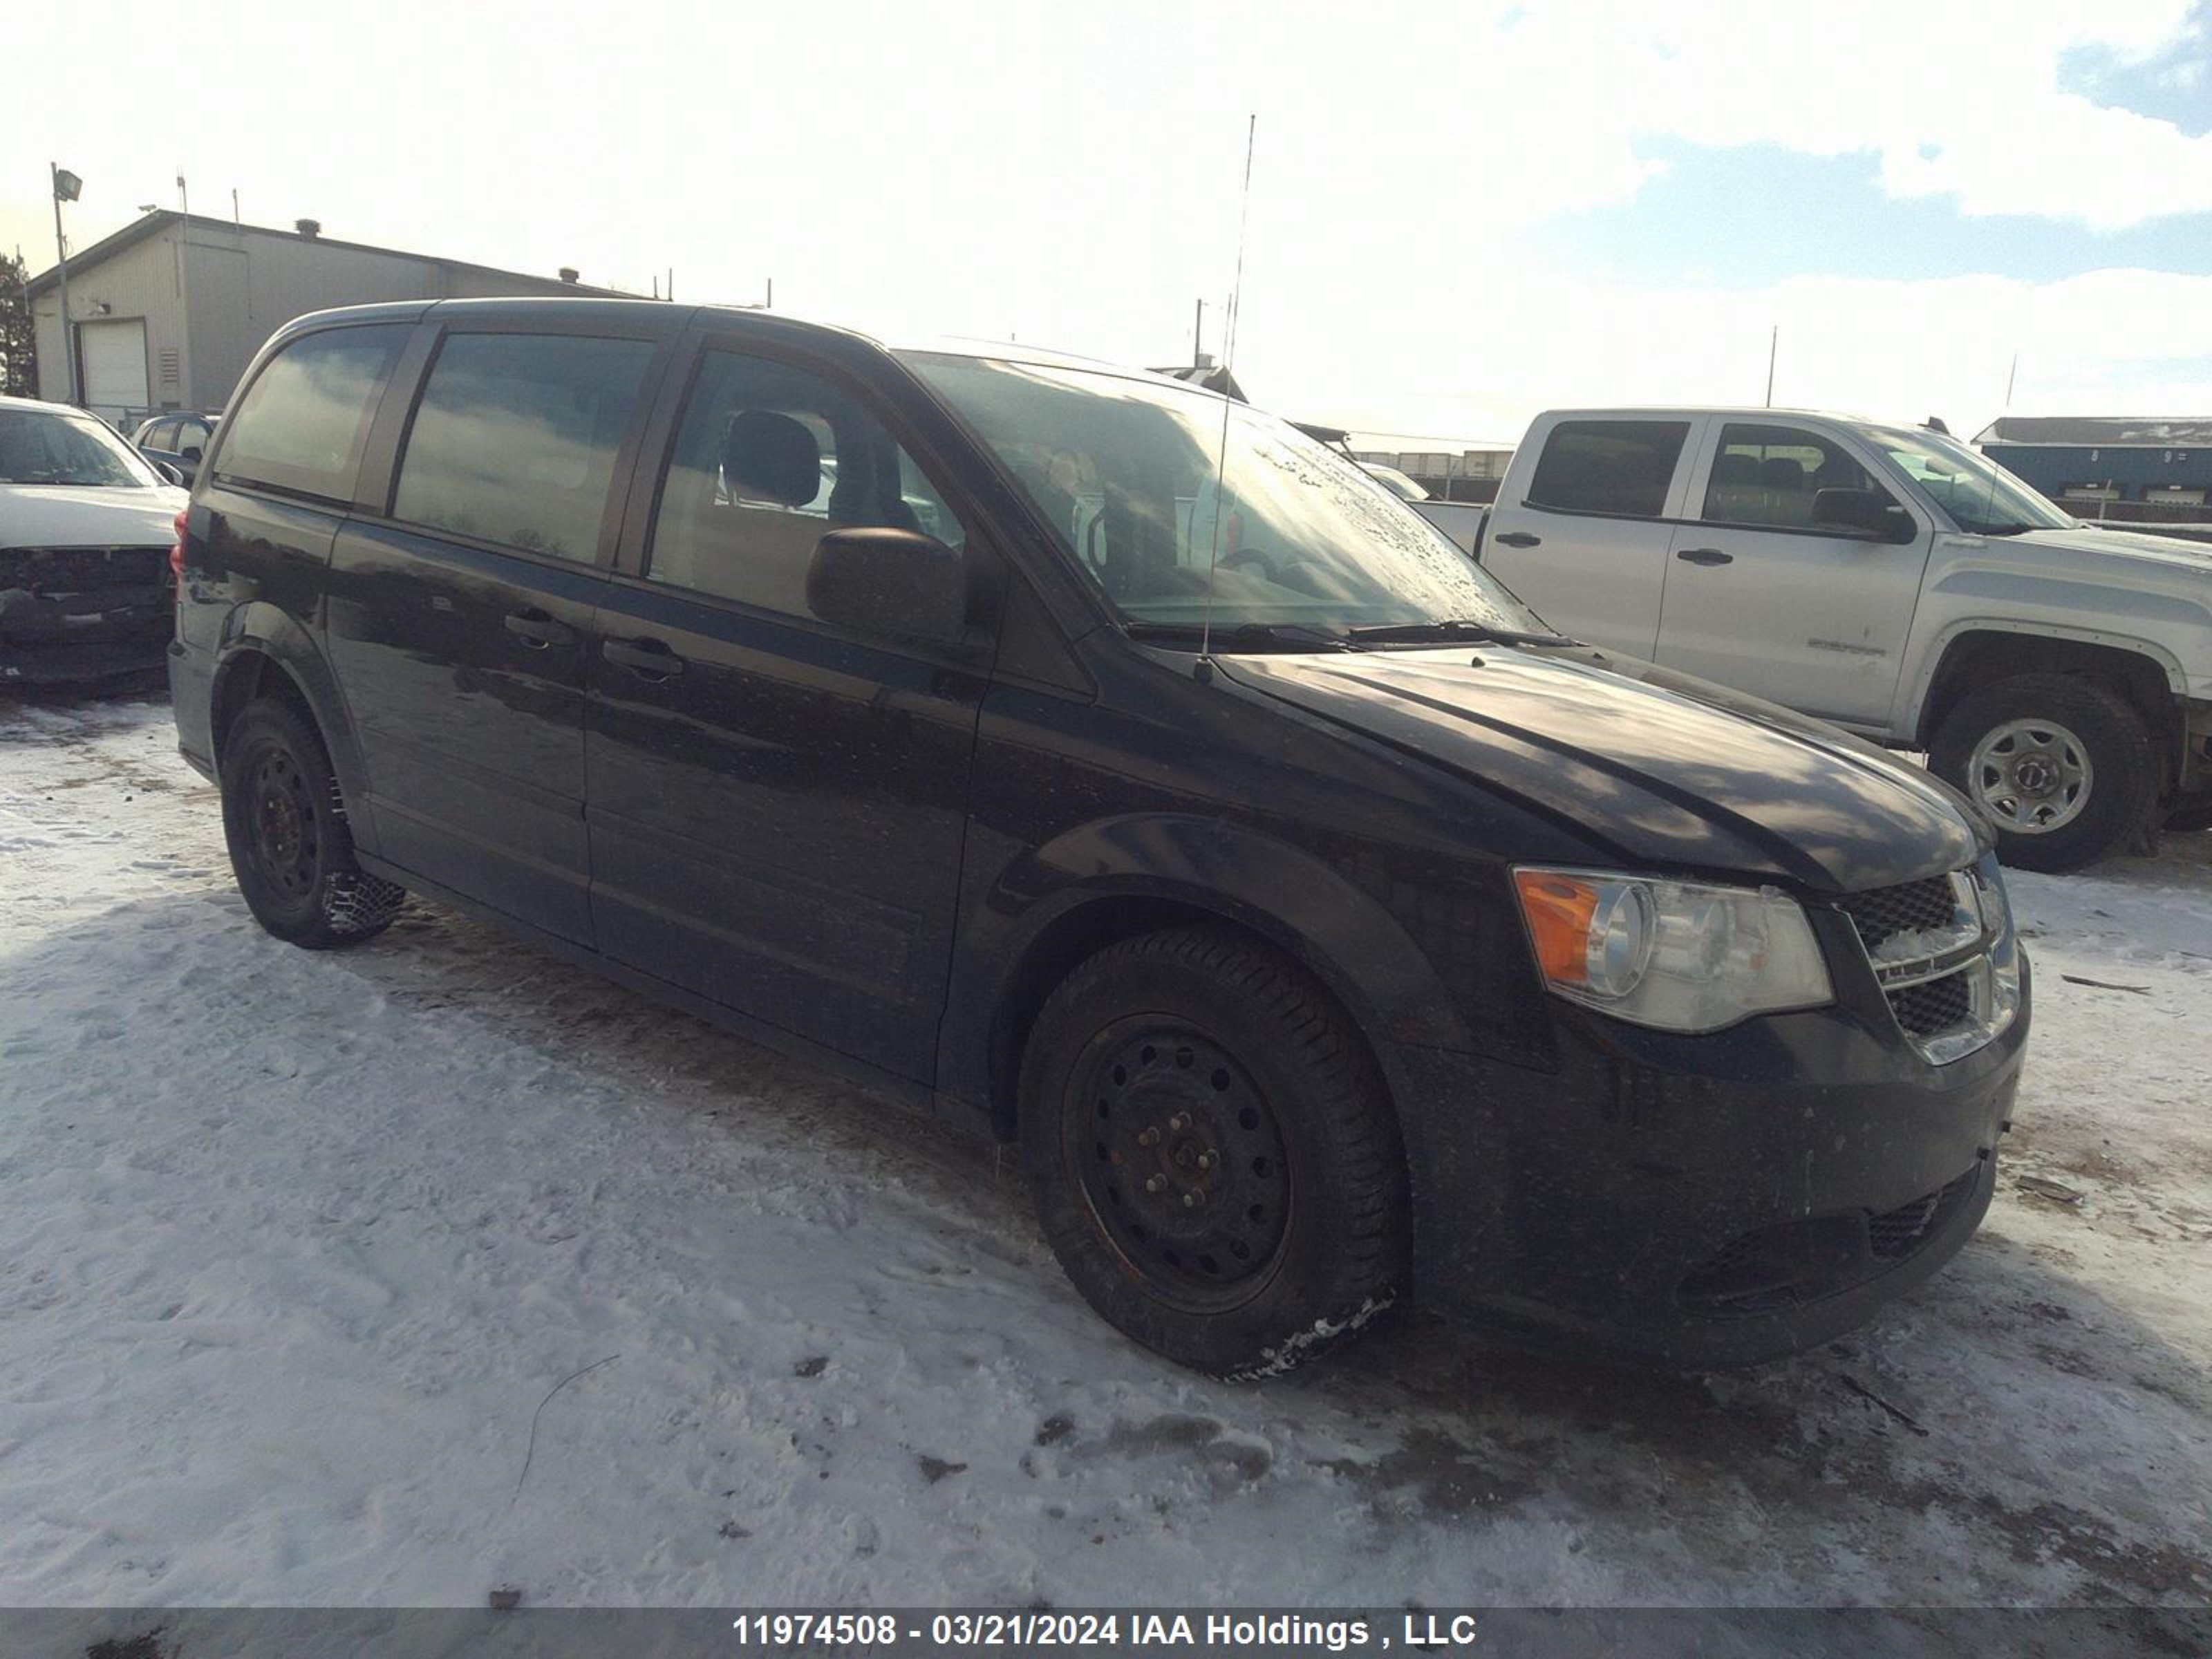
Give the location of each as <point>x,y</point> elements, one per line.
<point>1978,494</point>
<point>38,447</point>
<point>1297,536</point>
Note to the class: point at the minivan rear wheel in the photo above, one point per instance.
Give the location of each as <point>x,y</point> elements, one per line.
<point>2063,765</point>
<point>290,848</point>
<point>1213,1152</point>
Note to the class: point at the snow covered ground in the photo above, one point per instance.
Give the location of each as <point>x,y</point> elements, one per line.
<point>293,1247</point>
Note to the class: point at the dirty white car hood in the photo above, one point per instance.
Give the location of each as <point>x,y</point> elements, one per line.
<point>63,515</point>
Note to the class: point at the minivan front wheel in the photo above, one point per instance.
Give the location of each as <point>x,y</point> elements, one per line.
<point>1213,1153</point>
<point>290,848</point>
<point>2063,765</point>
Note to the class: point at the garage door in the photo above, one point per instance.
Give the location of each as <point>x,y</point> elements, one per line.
<point>113,351</point>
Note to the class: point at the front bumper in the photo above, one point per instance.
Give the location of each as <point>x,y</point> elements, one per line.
<point>1709,1201</point>
<point>99,634</point>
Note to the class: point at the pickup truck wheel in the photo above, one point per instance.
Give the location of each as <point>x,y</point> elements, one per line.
<point>2063,765</point>
<point>1213,1153</point>
<point>290,848</point>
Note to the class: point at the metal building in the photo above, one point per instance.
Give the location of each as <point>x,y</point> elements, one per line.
<point>168,311</point>
<point>2119,468</point>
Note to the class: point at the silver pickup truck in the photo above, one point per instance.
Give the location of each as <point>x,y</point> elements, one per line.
<point>1890,580</point>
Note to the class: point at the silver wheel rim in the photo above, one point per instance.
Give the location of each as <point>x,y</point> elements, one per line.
<point>2035,776</point>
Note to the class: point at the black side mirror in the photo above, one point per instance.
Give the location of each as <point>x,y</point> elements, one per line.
<point>191,452</point>
<point>1873,514</point>
<point>896,582</point>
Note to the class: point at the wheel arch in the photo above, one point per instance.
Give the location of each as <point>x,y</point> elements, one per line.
<point>1979,652</point>
<point>266,652</point>
<point>1142,875</point>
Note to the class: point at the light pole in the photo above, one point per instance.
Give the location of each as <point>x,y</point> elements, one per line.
<point>67,185</point>
<point>184,368</point>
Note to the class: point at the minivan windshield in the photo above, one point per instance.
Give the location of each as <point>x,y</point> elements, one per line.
<point>1299,545</point>
<point>1979,494</point>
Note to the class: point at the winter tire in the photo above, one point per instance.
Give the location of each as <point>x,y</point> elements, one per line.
<point>290,848</point>
<point>2061,765</point>
<point>1213,1154</point>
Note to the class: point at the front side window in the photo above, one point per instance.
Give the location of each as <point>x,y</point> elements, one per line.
<point>41,446</point>
<point>1192,514</point>
<point>1621,468</point>
<point>303,421</point>
<point>768,459</point>
<point>1773,476</point>
<point>516,436</point>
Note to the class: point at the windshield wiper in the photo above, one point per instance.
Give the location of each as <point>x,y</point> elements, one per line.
<point>2015,528</point>
<point>1243,635</point>
<point>1455,631</point>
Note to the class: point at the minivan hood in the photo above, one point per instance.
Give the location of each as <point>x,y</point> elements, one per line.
<point>64,515</point>
<point>1667,771</point>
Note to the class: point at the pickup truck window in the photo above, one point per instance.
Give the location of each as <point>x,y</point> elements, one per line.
<point>1980,495</point>
<point>1774,475</point>
<point>1618,467</point>
<point>1155,506</point>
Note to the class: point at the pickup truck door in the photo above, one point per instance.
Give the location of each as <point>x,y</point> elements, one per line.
<point>1581,527</point>
<point>1772,589</point>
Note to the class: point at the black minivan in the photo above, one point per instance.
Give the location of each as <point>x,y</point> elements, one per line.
<point>1115,769</point>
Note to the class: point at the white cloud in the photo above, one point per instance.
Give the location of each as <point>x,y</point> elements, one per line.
<point>1958,101</point>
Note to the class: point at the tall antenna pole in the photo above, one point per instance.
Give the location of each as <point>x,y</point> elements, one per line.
<point>1773,343</point>
<point>2009,378</point>
<point>1203,668</point>
<point>1198,334</point>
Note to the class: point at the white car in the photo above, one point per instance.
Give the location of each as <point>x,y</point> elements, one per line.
<point>85,527</point>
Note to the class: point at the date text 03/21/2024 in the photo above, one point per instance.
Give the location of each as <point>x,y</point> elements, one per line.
<point>1421,1632</point>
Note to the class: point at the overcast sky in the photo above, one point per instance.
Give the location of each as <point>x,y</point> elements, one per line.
<point>1460,213</point>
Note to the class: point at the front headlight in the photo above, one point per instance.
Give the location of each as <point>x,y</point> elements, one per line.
<point>1678,955</point>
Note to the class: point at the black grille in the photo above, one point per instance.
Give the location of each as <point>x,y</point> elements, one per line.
<point>1934,1005</point>
<point>51,571</point>
<point>1895,1234</point>
<point>1887,910</point>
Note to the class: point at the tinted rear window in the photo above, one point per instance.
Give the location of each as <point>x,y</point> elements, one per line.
<point>516,438</point>
<point>301,424</point>
<point>1620,467</point>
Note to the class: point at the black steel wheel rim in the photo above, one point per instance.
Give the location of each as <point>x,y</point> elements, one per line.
<point>281,838</point>
<point>1181,1161</point>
